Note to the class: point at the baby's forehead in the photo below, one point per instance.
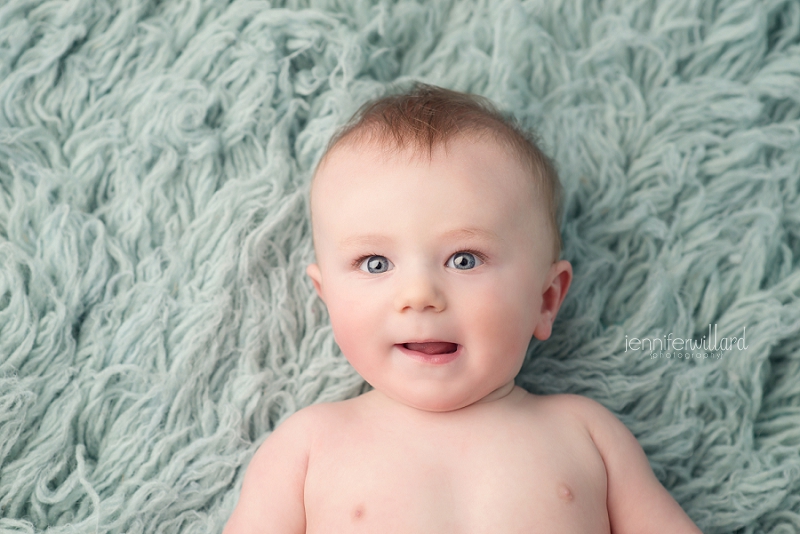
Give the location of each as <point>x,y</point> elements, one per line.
<point>342,167</point>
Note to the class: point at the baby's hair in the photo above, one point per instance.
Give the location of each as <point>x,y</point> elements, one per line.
<point>427,116</point>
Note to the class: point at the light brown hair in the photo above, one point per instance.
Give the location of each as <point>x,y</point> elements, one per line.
<point>427,116</point>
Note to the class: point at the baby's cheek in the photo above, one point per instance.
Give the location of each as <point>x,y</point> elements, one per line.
<point>346,325</point>
<point>504,319</point>
<point>354,328</point>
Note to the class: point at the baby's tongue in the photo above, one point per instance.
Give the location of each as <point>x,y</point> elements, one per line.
<point>434,347</point>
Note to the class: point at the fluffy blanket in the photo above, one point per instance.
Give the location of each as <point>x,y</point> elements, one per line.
<point>155,320</point>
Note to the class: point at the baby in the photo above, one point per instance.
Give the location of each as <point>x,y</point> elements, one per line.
<point>435,225</point>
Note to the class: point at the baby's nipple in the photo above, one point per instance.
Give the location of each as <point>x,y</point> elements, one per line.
<point>565,493</point>
<point>358,513</point>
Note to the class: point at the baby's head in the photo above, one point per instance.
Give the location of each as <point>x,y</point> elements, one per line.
<point>435,224</point>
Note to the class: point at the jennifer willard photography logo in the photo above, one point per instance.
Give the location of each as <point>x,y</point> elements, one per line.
<point>671,347</point>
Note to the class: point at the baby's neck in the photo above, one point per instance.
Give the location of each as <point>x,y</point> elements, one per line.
<point>500,398</point>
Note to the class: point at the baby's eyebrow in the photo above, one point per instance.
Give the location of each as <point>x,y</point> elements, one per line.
<point>472,233</point>
<point>363,240</point>
<point>458,233</point>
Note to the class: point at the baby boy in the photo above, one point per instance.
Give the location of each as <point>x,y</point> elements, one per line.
<point>435,225</point>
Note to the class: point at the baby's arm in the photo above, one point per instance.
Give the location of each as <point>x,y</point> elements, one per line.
<point>636,500</point>
<point>271,499</point>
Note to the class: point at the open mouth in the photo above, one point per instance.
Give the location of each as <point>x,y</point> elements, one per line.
<point>432,347</point>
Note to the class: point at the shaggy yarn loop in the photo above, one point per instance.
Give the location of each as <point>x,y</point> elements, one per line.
<point>156,323</point>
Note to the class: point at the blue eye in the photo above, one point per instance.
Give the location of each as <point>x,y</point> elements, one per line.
<point>463,261</point>
<point>375,264</point>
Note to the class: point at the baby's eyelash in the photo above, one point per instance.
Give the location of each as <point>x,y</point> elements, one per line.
<point>481,256</point>
<point>357,262</point>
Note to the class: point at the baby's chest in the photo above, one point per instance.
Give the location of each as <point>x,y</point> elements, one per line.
<point>488,485</point>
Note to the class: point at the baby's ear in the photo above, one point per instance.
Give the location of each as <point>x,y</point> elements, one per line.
<point>314,273</point>
<point>558,279</point>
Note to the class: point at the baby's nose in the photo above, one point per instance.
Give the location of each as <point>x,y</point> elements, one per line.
<point>419,292</point>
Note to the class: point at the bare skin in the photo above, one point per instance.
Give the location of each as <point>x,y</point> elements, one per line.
<point>478,470</point>
<point>449,251</point>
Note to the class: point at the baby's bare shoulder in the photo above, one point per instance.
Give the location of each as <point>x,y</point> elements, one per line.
<point>604,428</point>
<point>567,401</point>
<point>575,408</point>
<point>271,497</point>
<point>308,425</point>
<point>637,502</point>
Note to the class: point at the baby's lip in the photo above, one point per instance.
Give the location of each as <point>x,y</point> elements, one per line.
<point>431,346</point>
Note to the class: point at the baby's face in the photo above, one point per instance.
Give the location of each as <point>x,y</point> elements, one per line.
<point>453,250</point>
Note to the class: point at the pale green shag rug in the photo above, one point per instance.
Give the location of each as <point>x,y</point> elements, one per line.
<point>155,319</point>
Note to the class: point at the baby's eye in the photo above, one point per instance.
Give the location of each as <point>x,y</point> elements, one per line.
<point>463,261</point>
<point>375,264</point>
